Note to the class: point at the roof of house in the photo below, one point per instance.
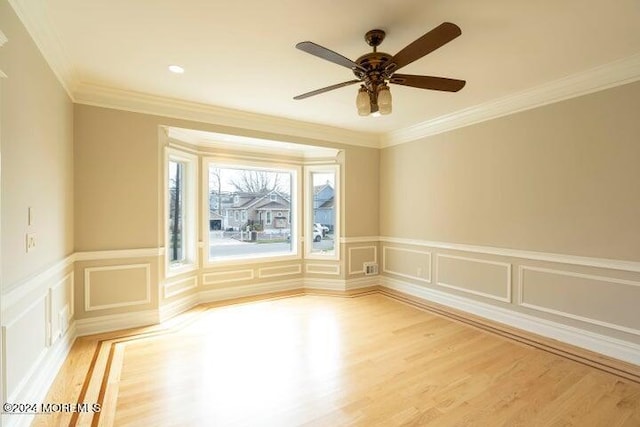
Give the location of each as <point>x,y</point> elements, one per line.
<point>272,205</point>
<point>329,203</point>
<point>319,188</point>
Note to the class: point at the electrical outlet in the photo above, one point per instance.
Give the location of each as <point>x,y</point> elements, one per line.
<point>31,241</point>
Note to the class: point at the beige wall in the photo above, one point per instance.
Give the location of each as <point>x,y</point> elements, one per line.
<point>118,190</point>
<point>563,178</point>
<point>118,158</point>
<point>503,213</point>
<point>361,193</point>
<point>36,142</point>
<point>116,179</point>
<point>37,158</point>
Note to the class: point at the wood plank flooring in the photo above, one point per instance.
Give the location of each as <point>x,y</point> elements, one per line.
<point>330,361</point>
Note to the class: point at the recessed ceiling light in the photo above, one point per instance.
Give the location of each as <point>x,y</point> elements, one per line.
<point>176,69</point>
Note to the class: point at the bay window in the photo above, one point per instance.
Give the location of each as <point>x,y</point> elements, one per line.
<point>322,229</point>
<point>256,190</point>
<point>181,202</point>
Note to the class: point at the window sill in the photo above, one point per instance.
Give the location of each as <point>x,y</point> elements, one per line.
<point>173,270</point>
<point>256,259</point>
<point>324,257</point>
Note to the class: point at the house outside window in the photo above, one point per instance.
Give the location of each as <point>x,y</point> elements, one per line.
<point>322,219</point>
<point>260,189</point>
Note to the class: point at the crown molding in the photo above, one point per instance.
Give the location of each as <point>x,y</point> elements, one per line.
<point>609,75</point>
<point>137,102</point>
<point>606,76</point>
<point>34,18</point>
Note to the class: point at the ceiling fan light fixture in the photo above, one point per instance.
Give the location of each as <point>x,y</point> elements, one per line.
<point>384,100</point>
<point>375,70</point>
<point>363,102</point>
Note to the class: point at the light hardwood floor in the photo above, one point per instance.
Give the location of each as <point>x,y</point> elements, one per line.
<point>367,360</point>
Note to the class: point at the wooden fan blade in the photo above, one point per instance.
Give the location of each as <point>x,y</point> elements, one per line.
<point>428,82</point>
<point>429,42</point>
<point>325,89</point>
<point>329,55</point>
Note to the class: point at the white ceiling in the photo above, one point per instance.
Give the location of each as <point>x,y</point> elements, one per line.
<point>241,55</point>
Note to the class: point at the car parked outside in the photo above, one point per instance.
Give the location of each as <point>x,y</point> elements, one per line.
<point>318,233</point>
<point>322,228</point>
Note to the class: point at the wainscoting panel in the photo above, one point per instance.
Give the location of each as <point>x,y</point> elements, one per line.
<point>595,299</point>
<point>410,263</point>
<point>490,279</point>
<point>177,287</point>
<point>359,255</point>
<point>61,307</point>
<point>117,286</point>
<point>219,277</point>
<point>25,345</point>
<point>329,269</point>
<point>38,331</point>
<point>280,270</point>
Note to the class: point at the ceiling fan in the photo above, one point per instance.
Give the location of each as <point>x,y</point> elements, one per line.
<point>376,69</point>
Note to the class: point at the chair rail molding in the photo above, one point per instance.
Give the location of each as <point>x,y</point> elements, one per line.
<point>613,264</point>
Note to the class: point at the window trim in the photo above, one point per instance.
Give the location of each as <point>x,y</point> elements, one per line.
<point>190,212</point>
<point>308,207</point>
<point>297,202</point>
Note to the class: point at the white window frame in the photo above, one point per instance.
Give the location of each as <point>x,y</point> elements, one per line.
<point>296,208</point>
<point>190,204</point>
<point>308,215</point>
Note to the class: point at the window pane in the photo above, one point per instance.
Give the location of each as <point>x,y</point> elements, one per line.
<point>176,212</point>
<point>255,196</point>
<point>324,212</point>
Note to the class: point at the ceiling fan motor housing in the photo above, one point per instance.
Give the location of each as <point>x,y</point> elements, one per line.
<point>375,69</point>
<point>373,65</point>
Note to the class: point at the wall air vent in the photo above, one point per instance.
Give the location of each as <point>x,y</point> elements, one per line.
<point>370,268</point>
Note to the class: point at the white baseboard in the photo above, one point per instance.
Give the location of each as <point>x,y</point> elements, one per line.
<point>39,382</point>
<point>114,322</point>
<point>609,346</point>
<point>362,282</point>
<point>172,309</point>
<point>100,324</point>
<point>324,284</point>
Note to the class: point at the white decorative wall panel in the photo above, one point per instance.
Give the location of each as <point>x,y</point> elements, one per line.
<point>116,286</point>
<point>489,279</point>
